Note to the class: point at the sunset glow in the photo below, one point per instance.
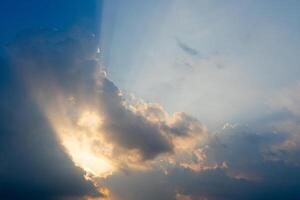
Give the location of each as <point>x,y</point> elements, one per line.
<point>79,141</point>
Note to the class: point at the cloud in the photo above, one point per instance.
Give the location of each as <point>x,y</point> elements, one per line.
<point>146,185</point>
<point>128,129</point>
<point>32,164</point>
<point>70,69</point>
<point>187,49</point>
<point>252,168</point>
<point>91,121</point>
<point>246,172</point>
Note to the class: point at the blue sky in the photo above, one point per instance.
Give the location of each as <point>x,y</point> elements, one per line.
<point>253,43</point>
<point>17,16</point>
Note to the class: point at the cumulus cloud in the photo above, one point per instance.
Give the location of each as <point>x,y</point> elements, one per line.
<point>237,163</point>
<point>251,169</point>
<point>100,129</point>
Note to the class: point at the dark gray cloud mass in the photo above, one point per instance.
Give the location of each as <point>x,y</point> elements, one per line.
<point>186,48</point>
<point>253,169</point>
<point>65,60</point>
<point>251,172</point>
<point>128,129</point>
<point>32,164</point>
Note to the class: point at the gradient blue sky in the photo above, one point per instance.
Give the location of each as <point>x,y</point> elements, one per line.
<point>246,50</point>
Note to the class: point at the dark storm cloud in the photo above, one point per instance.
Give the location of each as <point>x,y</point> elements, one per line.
<point>47,59</point>
<point>128,129</point>
<point>216,184</point>
<point>255,166</point>
<point>68,60</point>
<point>186,48</point>
<point>32,164</point>
<point>134,131</point>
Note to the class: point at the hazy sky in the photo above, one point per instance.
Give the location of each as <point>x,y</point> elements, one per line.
<point>218,60</point>
<point>149,100</point>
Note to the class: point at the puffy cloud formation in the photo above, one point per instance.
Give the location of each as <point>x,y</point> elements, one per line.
<point>68,132</point>
<point>96,125</point>
<point>253,167</point>
<point>237,163</point>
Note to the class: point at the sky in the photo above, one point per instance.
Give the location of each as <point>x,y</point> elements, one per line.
<point>136,99</point>
<point>173,47</point>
